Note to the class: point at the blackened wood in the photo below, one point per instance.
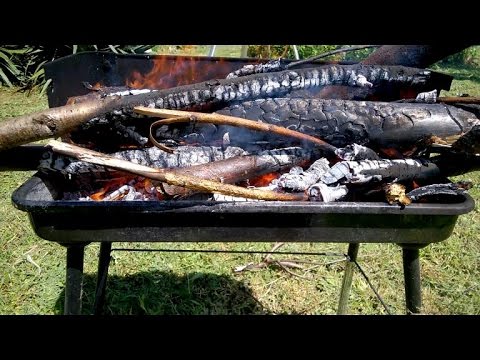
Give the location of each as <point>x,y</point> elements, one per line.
<point>413,55</point>
<point>152,157</point>
<point>62,120</point>
<point>343,122</point>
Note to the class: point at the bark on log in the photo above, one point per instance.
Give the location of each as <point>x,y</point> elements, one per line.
<point>169,177</point>
<point>62,120</point>
<point>342,122</point>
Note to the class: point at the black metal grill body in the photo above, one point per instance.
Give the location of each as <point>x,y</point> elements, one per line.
<point>347,222</point>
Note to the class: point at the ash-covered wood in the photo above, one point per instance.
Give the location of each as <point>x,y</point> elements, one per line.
<point>356,152</point>
<point>325,193</point>
<point>62,120</point>
<point>360,172</point>
<point>269,66</point>
<point>298,179</point>
<point>170,177</point>
<point>152,157</point>
<point>240,168</point>
<point>342,122</point>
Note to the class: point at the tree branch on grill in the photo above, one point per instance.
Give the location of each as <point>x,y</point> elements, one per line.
<point>218,119</point>
<point>59,121</point>
<point>240,168</point>
<point>169,177</point>
<point>343,122</point>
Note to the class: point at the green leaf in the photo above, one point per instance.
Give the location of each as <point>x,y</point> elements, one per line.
<point>5,78</point>
<point>45,86</point>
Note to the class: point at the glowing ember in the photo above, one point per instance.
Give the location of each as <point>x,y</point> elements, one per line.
<point>264,180</point>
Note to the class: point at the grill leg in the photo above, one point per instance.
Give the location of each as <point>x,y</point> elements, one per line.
<point>73,287</point>
<point>102,274</point>
<point>411,272</point>
<point>347,279</point>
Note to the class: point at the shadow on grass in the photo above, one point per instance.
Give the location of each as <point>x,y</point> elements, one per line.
<point>164,293</point>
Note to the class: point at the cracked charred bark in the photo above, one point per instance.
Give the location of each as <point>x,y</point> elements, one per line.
<point>341,122</point>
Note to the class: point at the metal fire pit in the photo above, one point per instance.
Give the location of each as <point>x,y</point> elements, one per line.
<point>75,224</point>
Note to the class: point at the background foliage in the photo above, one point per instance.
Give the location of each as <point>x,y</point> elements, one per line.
<point>22,65</point>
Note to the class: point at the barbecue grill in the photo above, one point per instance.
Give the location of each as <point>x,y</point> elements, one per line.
<point>75,224</point>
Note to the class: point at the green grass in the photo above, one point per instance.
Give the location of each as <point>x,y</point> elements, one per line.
<point>171,283</point>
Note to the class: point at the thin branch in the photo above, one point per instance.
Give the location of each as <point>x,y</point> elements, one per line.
<point>170,177</point>
<point>333,52</point>
<point>459,99</point>
<point>217,119</point>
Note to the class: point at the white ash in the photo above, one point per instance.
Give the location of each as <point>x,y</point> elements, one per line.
<point>131,92</point>
<point>356,152</point>
<point>325,193</point>
<point>272,65</point>
<point>359,172</point>
<point>299,180</point>
<point>427,97</point>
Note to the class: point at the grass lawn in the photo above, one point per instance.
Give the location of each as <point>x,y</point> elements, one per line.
<point>32,270</point>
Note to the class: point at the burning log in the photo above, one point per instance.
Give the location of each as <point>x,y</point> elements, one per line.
<point>217,119</point>
<point>342,122</point>
<point>169,177</point>
<point>152,157</point>
<point>240,168</point>
<point>63,120</point>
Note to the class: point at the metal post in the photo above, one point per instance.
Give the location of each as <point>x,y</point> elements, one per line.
<point>347,279</point>
<point>411,272</point>
<point>295,52</point>
<point>212,50</point>
<point>73,286</point>
<point>244,51</point>
<point>102,274</point>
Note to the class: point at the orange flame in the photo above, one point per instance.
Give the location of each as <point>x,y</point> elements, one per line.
<point>264,180</point>
<point>111,185</point>
<point>171,71</point>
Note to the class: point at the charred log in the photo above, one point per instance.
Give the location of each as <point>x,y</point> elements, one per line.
<point>412,55</point>
<point>62,120</point>
<point>406,55</point>
<point>341,123</point>
<point>152,157</point>
<point>240,168</point>
<point>439,192</point>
